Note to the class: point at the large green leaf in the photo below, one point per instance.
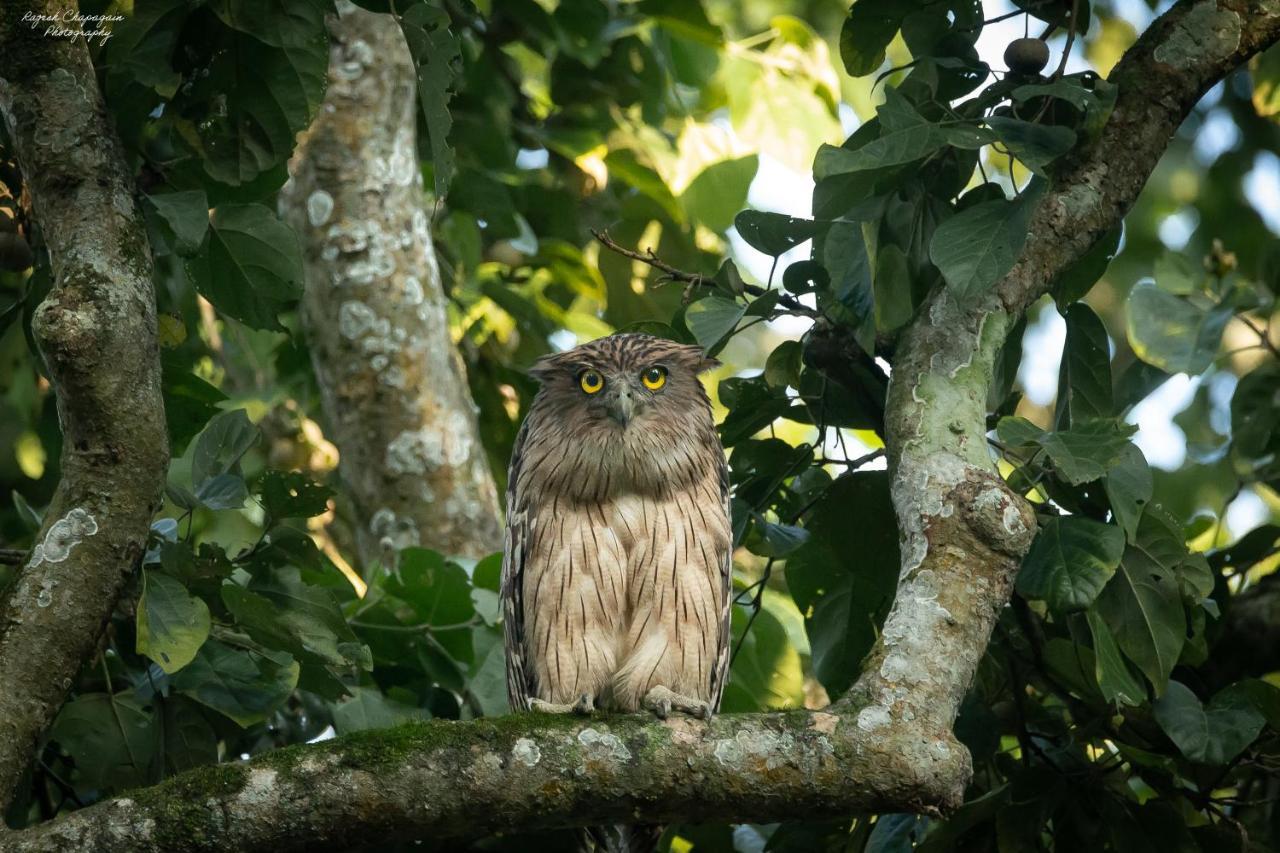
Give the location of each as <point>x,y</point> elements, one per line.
<point>1213,734</point>
<point>111,738</point>
<point>866,33</point>
<point>251,268</point>
<point>291,494</point>
<point>1115,679</point>
<point>1172,333</point>
<point>905,136</point>
<point>711,318</point>
<point>1079,278</point>
<point>1070,562</point>
<point>369,708</point>
<point>187,215</point>
<point>172,624</point>
<point>243,684</point>
<point>1035,145</point>
<point>978,245</point>
<point>1142,604</point>
<point>1084,387</point>
<point>766,671</point>
<point>1129,487</point>
<point>220,446</point>
<point>1087,450</point>
<point>774,233</point>
<point>436,59</point>
<point>437,590</point>
<point>719,192</point>
<point>1177,274</point>
<point>845,601</point>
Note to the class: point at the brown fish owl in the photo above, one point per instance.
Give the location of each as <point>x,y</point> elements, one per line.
<point>617,577</point>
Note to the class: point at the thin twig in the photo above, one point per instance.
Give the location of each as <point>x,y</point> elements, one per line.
<point>670,273</point>
<point>1071,38</point>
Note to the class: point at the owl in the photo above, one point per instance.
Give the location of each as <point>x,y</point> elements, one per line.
<point>617,572</point>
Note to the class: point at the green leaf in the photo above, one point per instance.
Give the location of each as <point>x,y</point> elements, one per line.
<point>438,591</point>
<point>112,739</point>
<point>368,708</point>
<point>773,233</point>
<point>1265,71</point>
<point>765,673</point>
<point>241,684</point>
<point>1079,278</point>
<point>251,268</point>
<point>1035,145</point>
<point>487,675</point>
<point>1116,681</point>
<point>189,740</point>
<point>310,612</point>
<point>712,318</point>
<point>1070,562</point>
<point>436,59</point>
<point>172,624</point>
<point>866,33</point>
<point>1209,735</point>
<point>844,254</point>
<point>1067,89</point>
<point>1175,273</point>
<point>142,46</point>
<point>1142,604</point>
<point>291,494</point>
<point>978,245</point>
<point>1171,333</point>
<point>778,540</point>
<point>1084,389</point>
<point>782,368</point>
<point>222,491</point>
<point>892,287</point>
<point>220,446</point>
<point>1129,486</point>
<point>187,215</point>
<point>1087,450</point>
<point>1018,432</point>
<point>719,192</point>
<point>845,603</point>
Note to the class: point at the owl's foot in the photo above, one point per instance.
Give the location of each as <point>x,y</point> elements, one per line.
<point>585,704</point>
<point>662,701</point>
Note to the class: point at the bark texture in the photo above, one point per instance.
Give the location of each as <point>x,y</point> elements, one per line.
<point>97,333</point>
<point>394,389</point>
<point>887,746</point>
<point>466,780</point>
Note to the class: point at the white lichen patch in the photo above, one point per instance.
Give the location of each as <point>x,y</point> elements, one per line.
<point>526,752</point>
<point>355,320</point>
<point>600,747</point>
<point>63,536</point>
<point>412,290</point>
<point>873,717</point>
<point>393,533</point>
<point>431,448</point>
<point>319,208</point>
<point>770,749</point>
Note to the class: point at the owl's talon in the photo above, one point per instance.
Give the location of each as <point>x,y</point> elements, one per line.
<point>662,701</point>
<point>586,704</point>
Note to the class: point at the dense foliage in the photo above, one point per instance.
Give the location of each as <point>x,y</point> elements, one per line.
<point>1105,715</point>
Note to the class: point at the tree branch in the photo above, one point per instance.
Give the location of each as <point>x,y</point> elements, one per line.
<point>97,333</point>
<point>887,745</point>
<point>467,780</point>
<point>392,383</point>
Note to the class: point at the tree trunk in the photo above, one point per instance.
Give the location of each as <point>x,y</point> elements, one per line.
<point>97,334</point>
<point>394,389</point>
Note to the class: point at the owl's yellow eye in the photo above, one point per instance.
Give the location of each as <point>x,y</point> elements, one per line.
<point>654,378</point>
<point>591,381</point>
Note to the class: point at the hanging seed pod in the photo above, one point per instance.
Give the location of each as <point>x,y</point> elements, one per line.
<point>1026,56</point>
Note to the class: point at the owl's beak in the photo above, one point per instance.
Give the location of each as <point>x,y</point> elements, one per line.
<point>622,406</point>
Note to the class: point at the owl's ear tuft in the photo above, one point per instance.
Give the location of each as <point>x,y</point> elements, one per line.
<point>546,367</point>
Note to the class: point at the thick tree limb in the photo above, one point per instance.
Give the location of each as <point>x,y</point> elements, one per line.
<point>887,744</point>
<point>466,780</point>
<point>97,332</point>
<point>393,386</point>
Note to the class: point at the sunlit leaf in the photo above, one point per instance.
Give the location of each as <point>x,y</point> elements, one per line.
<point>172,624</point>
<point>1070,562</point>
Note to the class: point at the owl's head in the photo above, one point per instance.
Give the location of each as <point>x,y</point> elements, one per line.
<point>625,382</point>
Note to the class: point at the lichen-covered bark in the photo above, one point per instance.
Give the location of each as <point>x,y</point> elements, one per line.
<point>394,389</point>
<point>97,332</point>
<point>887,745</point>
<point>466,780</point>
<point>964,532</point>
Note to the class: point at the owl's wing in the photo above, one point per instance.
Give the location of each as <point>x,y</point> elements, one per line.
<point>720,673</point>
<point>521,685</point>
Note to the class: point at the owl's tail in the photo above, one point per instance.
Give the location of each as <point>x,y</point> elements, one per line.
<point>620,838</point>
